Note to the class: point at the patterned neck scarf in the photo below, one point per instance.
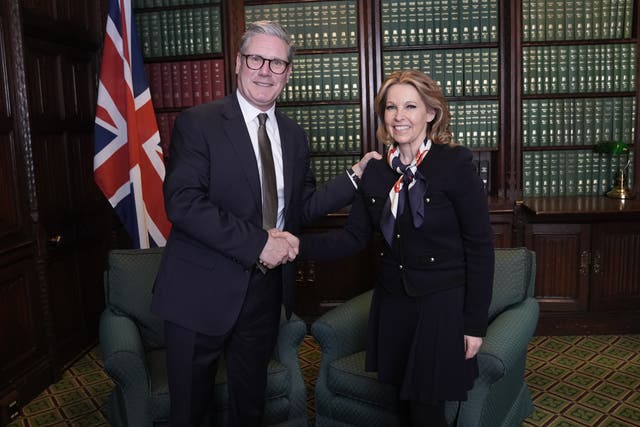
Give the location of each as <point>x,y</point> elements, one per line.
<point>414,184</point>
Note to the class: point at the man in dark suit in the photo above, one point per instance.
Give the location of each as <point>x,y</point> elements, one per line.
<point>223,275</point>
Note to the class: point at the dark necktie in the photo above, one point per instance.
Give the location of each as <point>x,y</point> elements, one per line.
<point>269,191</point>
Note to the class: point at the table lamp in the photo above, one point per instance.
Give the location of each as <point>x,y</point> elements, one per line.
<point>617,148</point>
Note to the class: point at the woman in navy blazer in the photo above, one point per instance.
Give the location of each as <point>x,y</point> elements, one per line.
<point>426,209</point>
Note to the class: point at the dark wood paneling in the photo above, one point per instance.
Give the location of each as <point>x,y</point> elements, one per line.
<point>614,268</point>
<point>562,282</point>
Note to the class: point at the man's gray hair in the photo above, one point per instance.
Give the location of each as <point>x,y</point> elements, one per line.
<point>271,28</point>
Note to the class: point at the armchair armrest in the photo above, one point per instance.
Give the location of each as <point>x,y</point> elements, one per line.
<point>124,361</point>
<point>290,336</point>
<point>343,330</point>
<point>508,336</point>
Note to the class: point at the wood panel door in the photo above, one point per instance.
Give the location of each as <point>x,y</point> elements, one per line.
<point>73,219</point>
<point>615,268</point>
<point>563,265</point>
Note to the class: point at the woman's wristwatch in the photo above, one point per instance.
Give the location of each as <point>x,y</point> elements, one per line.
<point>354,177</point>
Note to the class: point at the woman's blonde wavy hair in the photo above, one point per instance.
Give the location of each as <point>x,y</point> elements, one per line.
<point>438,130</point>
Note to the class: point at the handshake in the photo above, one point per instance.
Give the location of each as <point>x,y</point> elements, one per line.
<point>281,247</point>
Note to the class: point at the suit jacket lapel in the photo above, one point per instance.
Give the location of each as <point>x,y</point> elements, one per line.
<point>238,136</point>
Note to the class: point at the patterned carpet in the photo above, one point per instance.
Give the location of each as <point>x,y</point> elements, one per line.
<point>575,381</point>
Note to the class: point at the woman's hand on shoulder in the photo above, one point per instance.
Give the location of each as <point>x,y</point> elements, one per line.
<point>359,167</point>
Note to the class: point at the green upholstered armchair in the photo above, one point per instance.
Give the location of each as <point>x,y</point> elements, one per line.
<point>346,395</point>
<point>131,341</point>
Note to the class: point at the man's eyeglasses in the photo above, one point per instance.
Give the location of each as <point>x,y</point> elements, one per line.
<point>255,62</point>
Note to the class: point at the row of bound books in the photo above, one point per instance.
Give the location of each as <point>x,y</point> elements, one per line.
<point>459,72</point>
<point>579,68</point>
<point>139,4</point>
<point>326,77</point>
<point>570,173</point>
<point>330,128</point>
<point>577,121</point>
<point>406,23</point>
<point>185,83</point>
<point>177,32</point>
<point>474,124</point>
<point>576,19</point>
<point>326,167</point>
<point>318,25</point>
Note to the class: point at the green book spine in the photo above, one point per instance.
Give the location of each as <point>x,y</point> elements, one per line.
<point>562,173</point>
<point>581,169</point>
<point>453,20</point>
<point>563,69</point>
<point>475,20</point>
<point>526,123</point>
<point>437,21</point>
<point>588,172</point>
<point>476,70</point>
<point>216,30</point>
<point>571,173</point>
<point>599,7</point>
<point>543,122</point>
<point>537,173</point>
<point>527,174</point>
<point>541,22</point>
<point>560,30</point>
<point>468,72</point>
<point>569,21</point>
<point>315,84</point>
<point>550,20</point>
<point>144,28</point>
<point>554,172</point>
<point>177,20</point>
<point>571,122</point>
<point>627,24</point>
<point>448,87</point>
<point>533,123</point>
<point>526,20</point>
<point>465,21</point>
<point>579,19</point>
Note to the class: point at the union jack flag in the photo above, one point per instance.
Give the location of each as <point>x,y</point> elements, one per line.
<point>128,163</point>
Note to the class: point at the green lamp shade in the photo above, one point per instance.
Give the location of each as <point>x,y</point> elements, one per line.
<point>612,147</point>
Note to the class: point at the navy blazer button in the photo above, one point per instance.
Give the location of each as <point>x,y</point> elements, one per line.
<point>427,200</point>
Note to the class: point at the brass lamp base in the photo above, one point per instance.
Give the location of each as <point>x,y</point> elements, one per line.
<point>619,191</point>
